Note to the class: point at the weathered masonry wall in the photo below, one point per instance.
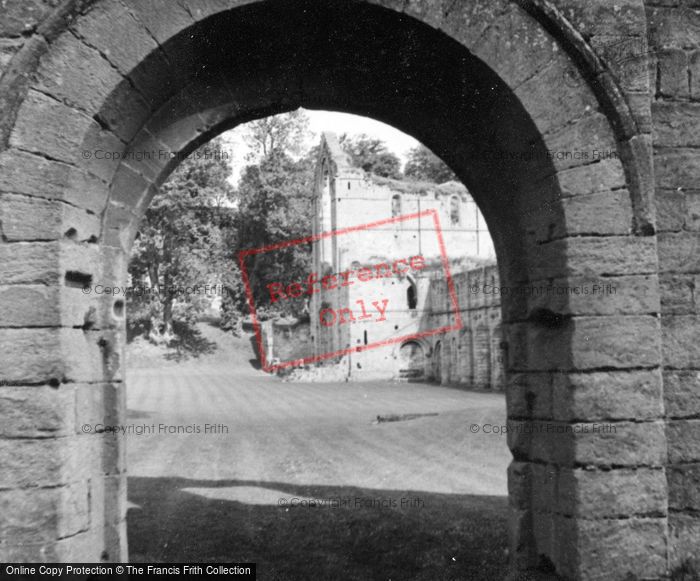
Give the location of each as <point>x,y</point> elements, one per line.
<point>674,38</point>
<point>474,356</point>
<point>492,86</point>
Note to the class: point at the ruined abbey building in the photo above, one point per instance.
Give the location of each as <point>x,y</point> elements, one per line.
<point>413,228</point>
<point>490,86</point>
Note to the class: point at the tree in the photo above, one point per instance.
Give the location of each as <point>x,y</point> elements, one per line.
<point>285,132</point>
<point>371,155</point>
<point>274,205</point>
<point>424,165</point>
<point>179,242</point>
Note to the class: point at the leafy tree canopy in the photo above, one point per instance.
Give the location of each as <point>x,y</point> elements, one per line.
<point>371,155</point>
<point>424,165</point>
<point>179,240</point>
<point>286,133</point>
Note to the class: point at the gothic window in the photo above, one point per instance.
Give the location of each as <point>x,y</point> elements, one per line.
<point>396,205</point>
<point>454,210</point>
<point>412,295</point>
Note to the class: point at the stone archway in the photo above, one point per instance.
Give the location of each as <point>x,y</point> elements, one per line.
<point>492,87</point>
<point>411,360</point>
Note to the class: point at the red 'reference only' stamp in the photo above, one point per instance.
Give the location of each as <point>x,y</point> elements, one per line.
<point>358,294</point>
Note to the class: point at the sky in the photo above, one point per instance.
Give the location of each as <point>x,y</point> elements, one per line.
<point>319,121</point>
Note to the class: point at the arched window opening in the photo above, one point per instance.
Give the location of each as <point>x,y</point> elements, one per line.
<point>412,295</point>
<point>454,210</point>
<point>396,205</point>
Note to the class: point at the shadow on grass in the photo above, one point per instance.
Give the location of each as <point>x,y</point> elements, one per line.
<point>255,363</point>
<point>446,537</point>
<point>189,343</point>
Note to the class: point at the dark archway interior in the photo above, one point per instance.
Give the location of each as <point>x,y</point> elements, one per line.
<point>272,57</point>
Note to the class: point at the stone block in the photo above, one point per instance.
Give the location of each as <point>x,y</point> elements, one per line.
<point>24,173</point>
<point>628,57</point>
<point>681,348</point>
<point>588,343</point>
<point>23,218</point>
<point>42,462</point>
<point>130,188</point>
<point>676,124</point>
<point>148,157</point>
<point>81,548</point>
<point>621,444</point>
<point>125,111</point>
<point>593,178</point>
<point>529,395</point>
<point>683,440</point>
<point>21,18</point>
<point>670,210</point>
<point>54,355</point>
<point>620,493</point>
<point>50,128</point>
<point>112,30</point>
<point>607,395</point>
<point>632,548</point>
<point>30,263</point>
<point>673,73</point>
<point>201,9</point>
<point>37,411</point>
<point>677,294</point>
<point>552,103</point>
<point>76,74</point>
<point>614,295</point>
<point>162,18</point>
<point>30,515</point>
<point>679,252</point>
<point>535,48</point>
<point>621,21</point>
<point>593,256</point>
<point>106,151</point>
<point>682,393</point>
<point>602,444</point>
<point>694,67</point>
<point>683,540</point>
<point>676,168</point>
<point>684,487</point>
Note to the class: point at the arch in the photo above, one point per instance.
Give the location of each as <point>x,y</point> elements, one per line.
<point>396,205</point>
<point>478,82</point>
<point>411,293</point>
<point>454,211</point>
<point>411,360</point>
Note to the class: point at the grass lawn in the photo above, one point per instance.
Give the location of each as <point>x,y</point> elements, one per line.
<point>307,484</point>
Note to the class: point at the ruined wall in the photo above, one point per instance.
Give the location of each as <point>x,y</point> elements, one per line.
<point>474,356</point>
<point>674,39</point>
